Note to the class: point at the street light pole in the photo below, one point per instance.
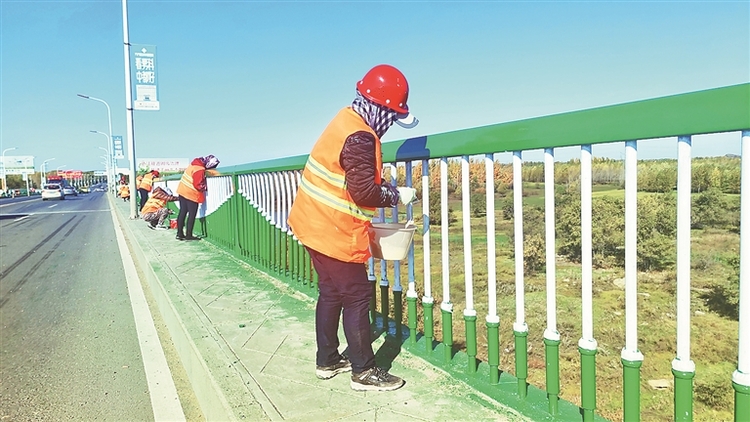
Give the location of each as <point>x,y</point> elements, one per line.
<point>109,158</point>
<point>109,142</point>
<point>44,171</point>
<point>5,184</point>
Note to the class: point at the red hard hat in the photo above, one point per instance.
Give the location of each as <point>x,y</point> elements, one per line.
<point>155,173</point>
<point>387,86</point>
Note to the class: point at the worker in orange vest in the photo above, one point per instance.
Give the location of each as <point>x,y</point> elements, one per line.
<point>341,188</point>
<point>124,192</point>
<point>192,192</point>
<point>145,184</point>
<point>156,211</point>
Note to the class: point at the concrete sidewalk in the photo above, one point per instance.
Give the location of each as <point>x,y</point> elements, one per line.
<point>247,342</point>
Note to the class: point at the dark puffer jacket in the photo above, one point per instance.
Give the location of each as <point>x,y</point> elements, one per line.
<point>357,158</point>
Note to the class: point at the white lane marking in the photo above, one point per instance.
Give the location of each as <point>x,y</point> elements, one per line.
<point>52,206</point>
<point>19,202</point>
<point>22,218</point>
<point>66,212</point>
<point>164,399</point>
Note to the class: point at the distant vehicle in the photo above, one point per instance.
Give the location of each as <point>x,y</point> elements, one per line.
<point>52,191</point>
<point>85,189</point>
<point>70,190</point>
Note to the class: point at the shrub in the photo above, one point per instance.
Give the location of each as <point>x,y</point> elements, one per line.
<point>435,213</point>
<point>723,297</point>
<point>656,228</point>
<point>709,209</point>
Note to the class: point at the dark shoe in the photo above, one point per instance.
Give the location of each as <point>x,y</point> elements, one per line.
<point>326,372</point>
<point>375,379</point>
<point>151,226</point>
<point>191,238</point>
<point>180,237</point>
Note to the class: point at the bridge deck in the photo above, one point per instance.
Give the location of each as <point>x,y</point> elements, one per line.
<point>247,342</point>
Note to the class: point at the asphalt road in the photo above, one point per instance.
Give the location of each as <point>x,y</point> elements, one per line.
<point>68,343</point>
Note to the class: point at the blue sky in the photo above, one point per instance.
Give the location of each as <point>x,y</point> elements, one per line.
<point>254,80</point>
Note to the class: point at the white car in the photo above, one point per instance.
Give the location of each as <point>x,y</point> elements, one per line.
<point>69,190</point>
<point>52,191</point>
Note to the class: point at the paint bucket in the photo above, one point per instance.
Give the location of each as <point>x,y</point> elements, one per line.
<point>172,223</point>
<point>391,241</point>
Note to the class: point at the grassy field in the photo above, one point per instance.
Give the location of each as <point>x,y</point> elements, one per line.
<point>714,337</point>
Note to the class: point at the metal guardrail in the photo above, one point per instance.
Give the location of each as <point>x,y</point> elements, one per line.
<point>247,207</point>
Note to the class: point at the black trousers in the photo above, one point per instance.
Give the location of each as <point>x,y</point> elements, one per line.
<point>342,286</point>
<point>143,197</point>
<point>188,209</point>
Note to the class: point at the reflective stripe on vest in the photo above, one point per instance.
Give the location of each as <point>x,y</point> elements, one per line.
<point>147,182</point>
<point>329,199</point>
<point>153,204</point>
<point>323,216</point>
<point>186,188</point>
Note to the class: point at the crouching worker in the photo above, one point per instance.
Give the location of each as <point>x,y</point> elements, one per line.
<point>125,192</point>
<point>155,209</point>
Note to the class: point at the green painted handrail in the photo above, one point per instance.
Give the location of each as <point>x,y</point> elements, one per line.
<point>724,109</point>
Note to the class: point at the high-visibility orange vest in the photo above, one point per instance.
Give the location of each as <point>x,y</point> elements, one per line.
<point>153,204</point>
<point>324,217</point>
<point>186,189</point>
<point>138,181</point>
<point>147,182</point>
<point>124,191</point>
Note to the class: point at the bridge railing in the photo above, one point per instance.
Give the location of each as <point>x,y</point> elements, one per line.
<point>248,205</point>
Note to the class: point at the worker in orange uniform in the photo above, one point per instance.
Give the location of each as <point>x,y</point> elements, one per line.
<point>124,192</point>
<point>156,211</point>
<point>145,185</point>
<point>192,192</point>
<point>340,190</point>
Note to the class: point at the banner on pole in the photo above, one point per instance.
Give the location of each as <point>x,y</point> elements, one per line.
<point>117,147</point>
<point>143,61</point>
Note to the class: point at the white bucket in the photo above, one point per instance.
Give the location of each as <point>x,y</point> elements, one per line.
<point>390,241</point>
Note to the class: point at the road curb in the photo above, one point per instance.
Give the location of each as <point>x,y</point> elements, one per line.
<point>211,399</point>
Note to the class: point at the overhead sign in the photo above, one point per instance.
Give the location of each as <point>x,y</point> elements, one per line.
<point>100,173</point>
<point>162,164</point>
<point>117,147</point>
<point>19,164</point>
<point>143,63</point>
<point>70,174</point>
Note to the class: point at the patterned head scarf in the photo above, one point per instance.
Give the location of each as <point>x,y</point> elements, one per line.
<point>379,118</point>
<point>210,161</point>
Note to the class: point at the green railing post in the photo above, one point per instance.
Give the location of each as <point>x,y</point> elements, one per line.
<point>471,340</point>
<point>588,379</point>
<point>446,310</point>
<point>265,243</point>
<point>493,349</point>
<point>307,269</point>
<point>683,395</point>
<point>236,221</point>
<point>522,365</point>
<point>384,303</point>
<point>315,278</point>
<point>411,301</point>
<point>293,260</point>
<point>373,301</point>
<point>276,249</point>
<point>398,311</point>
<point>429,328</point>
<point>741,400</point>
<point>631,391</point>
<point>552,363</point>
